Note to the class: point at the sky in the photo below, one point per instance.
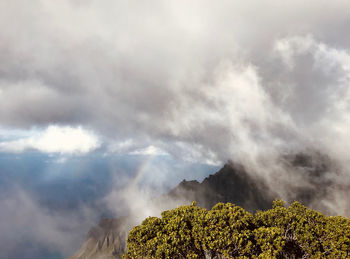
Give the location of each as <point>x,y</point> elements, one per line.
<point>92,91</point>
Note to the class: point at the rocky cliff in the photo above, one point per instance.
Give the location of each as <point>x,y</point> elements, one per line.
<point>106,240</point>
<point>230,184</point>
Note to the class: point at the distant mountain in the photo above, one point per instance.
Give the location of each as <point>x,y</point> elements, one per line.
<point>232,183</point>
<point>229,184</point>
<point>106,240</point>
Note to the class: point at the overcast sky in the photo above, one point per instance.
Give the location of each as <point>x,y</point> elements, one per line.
<point>201,81</point>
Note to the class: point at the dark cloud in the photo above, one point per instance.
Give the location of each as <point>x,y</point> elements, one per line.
<point>155,72</point>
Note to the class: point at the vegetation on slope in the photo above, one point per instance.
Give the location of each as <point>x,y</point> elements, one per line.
<point>230,231</point>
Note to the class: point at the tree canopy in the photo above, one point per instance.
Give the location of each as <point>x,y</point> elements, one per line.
<point>229,231</point>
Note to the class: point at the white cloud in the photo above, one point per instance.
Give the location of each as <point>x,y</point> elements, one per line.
<point>121,146</point>
<point>148,151</point>
<point>288,48</point>
<point>55,139</point>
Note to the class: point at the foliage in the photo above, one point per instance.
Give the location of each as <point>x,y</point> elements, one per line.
<point>229,231</point>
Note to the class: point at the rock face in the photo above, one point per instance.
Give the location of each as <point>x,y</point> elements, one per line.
<point>230,184</point>
<point>106,240</point>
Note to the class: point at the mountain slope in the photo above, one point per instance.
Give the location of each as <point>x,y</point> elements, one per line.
<point>229,184</point>
<point>106,240</point>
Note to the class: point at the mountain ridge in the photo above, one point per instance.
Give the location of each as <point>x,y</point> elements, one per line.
<point>232,183</point>
<point>107,239</point>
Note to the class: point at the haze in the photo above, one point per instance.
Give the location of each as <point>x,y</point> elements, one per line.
<point>98,95</point>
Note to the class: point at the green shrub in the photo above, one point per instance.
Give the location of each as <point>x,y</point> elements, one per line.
<point>229,231</point>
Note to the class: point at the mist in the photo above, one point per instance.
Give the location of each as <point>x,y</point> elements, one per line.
<point>49,202</point>
<point>200,82</point>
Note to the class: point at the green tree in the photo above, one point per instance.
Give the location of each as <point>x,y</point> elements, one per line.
<point>231,232</point>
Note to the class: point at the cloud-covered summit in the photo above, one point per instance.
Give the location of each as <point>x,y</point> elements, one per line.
<point>199,80</point>
<point>202,80</point>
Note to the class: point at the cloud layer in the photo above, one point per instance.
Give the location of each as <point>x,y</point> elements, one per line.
<point>63,140</point>
<point>208,77</point>
<point>200,80</point>
<point>203,81</point>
